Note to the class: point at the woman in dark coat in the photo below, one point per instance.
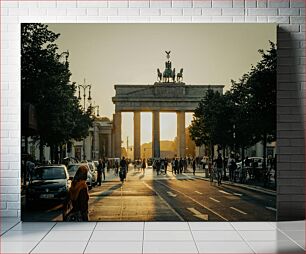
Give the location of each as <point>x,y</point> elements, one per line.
<point>77,197</point>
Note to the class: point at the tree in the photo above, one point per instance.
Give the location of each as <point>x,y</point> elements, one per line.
<point>190,144</point>
<point>45,83</point>
<point>244,115</point>
<point>212,124</point>
<point>262,101</point>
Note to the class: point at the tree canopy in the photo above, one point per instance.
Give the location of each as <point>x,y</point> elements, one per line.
<point>45,83</point>
<point>244,115</point>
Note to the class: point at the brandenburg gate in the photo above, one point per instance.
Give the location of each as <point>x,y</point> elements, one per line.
<point>169,94</point>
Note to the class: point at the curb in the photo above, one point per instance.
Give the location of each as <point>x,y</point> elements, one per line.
<point>254,188</point>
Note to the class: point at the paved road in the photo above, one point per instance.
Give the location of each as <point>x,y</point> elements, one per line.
<point>147,197</point>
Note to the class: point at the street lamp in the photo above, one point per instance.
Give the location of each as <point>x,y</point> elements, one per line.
<point>234,137</point>
<point>84,86</point>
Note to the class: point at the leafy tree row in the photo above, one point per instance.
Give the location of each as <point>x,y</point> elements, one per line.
<point>244,115</point>
<point>45,83</point>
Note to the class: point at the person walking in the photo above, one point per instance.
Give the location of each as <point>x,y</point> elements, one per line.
<point>219,165</point>
<point>157,164</point>
<point>185,165</point>
<point>143,166</point>
<point>176,166</point>
<point>116,167</point>
<point>166,165</point>
<point>30,166</point>
<point>181,165</point>
<point>194,166</point>
<point>173,165</point>
<point>231,167</point>
<point>76,204</point>
<point>123,169</point>
<point>103,168</point>
<point>99,170</point>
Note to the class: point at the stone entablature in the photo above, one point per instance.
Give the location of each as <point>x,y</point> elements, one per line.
<point>160,96</point>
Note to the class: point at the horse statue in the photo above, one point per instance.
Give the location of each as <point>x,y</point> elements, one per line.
<point>173,75</point>
<point>159,75</point>
<point>179,76</point>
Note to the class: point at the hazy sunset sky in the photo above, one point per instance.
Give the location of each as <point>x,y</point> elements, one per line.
<point>109,54</point>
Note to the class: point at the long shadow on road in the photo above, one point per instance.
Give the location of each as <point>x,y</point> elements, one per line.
<point>106,193</point>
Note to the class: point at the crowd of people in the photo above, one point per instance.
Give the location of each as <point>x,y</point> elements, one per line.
<point>76,205</point>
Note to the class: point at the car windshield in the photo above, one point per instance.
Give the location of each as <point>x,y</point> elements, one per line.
<point>49,173</point>
<point>72,169</point>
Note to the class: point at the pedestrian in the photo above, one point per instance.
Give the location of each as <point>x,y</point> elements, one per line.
<point>181,165</point>
<point>103,168</point>
<point>157,164</point>
<point>123,169</point>
<point>162,166</point>
<point>166,165</point>
<point>76,204</point>
<point>99,170</point>
<point>116,167</point>
<point>30,166</point>
<point>231,164</point>
<point>173,166</point>
<point>194,166</point>
<point>143,166</point>
<point>185,165</point>
<point>219,165</point>
<point>176,166</point>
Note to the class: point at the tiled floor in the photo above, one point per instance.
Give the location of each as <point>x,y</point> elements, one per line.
<point>152,237</point>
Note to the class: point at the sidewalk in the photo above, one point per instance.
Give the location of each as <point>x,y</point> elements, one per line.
<point>151,174</point>
<point>200,175</point>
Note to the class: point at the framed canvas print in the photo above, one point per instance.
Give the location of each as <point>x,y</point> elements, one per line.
<point>148,122</point>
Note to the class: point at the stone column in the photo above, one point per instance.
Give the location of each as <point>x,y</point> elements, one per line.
<point>137,146</point>
<point>113,139</point>
<point>155,135</point>
<point>96,142</point>
<point>181,142</point>
<point>109,145</point>
<point>117,122</point>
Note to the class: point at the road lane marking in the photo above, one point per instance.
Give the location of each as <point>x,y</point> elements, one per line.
<point>271,208</point>
<point>237,194</point>
<point>224,192</point>
<point>171,194</point>
<point>204,206</point>
<point>237,210</point>
<point>198,192</point>
<point>170,207</point>
<point>214,199</point>
<point>198,214</point>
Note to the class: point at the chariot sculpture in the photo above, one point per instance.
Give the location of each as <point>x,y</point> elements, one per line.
<point>169,75</point>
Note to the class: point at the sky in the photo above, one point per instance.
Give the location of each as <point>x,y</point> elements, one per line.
<point>109,54</point>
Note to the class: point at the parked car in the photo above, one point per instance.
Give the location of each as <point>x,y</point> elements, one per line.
<point>258,160</point>
<point>93,171</point>
<point>72,169</point>
<point>48,183</point>
<point>258,173</point>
